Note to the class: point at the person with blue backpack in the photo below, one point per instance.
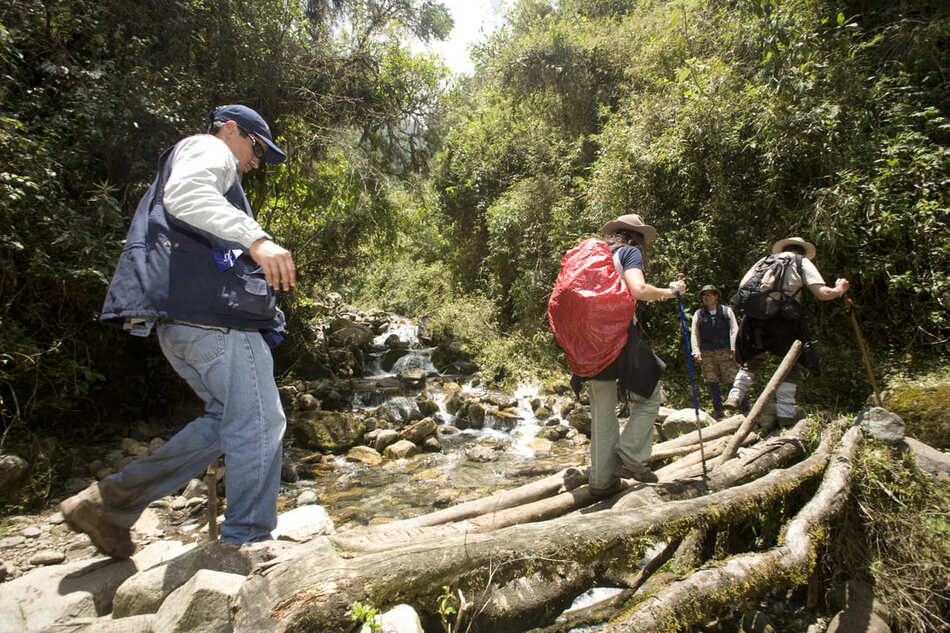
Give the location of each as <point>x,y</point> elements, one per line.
<point>202,273</point>
<point>713,344</point>
<point>770,296</point>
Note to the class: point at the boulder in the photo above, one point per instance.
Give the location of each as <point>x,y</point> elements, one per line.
<point>328,431</point>
<point>145,591</point>
<point>882,424</point>
<point>683,421</point>
<point>929,459</point>
<point>400,619</point>
<point>61,593</point>
<point>201,605</point>
<point>12,469</point>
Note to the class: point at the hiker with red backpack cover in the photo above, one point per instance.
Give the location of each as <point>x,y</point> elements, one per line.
<point>591,313</point>
<point>770,297</point>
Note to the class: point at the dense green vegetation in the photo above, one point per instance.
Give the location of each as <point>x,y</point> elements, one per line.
<point>726,124</point>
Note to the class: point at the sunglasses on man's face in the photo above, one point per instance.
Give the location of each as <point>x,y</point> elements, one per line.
<point>258,149</point>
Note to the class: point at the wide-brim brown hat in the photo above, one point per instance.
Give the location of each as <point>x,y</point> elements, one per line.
<point>780,245</point>
<point>709,288</point>
<point>631,222</point>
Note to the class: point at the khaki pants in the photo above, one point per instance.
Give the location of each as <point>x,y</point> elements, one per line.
<point>607,443</point>
<point>718,365</point>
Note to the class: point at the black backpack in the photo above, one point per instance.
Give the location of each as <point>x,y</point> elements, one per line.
<point>763,296</point>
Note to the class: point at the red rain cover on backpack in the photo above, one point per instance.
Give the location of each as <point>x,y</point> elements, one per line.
<point>590,308</point>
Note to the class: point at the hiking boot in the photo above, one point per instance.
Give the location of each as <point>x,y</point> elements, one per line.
<point>718,414</point>
<point>732,403</point>
<point>636,470</point>
<point>86,512</point>
<point>603,493</point>
<point>786,422</point>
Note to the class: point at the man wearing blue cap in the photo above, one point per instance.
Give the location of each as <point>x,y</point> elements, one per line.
<point>198,269</point>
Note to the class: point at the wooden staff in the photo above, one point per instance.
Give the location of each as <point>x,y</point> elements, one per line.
<point>864,351</point>
<point>777,377</point>
<point>211,480</point>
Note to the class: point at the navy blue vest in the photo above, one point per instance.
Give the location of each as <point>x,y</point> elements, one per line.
<point>713,329</point>
<point>167,271</point>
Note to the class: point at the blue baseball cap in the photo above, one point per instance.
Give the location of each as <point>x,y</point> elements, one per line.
<point>252,122</point>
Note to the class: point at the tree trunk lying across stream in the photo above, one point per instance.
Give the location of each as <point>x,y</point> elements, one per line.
<point>521,557</point>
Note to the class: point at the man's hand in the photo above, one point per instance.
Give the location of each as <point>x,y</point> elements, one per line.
<point>678,287</point>
<point>842,285</point>
<point>698,357</point>
<point>276,262</point>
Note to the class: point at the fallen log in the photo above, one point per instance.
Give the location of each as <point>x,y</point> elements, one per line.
<point>314,590</point>
<point>784,367</point>
<point>742,577</point>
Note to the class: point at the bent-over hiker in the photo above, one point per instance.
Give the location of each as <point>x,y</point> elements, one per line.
<point>777,333</point>
<point>713,341</point>
<point>615,455</point>
<point>199,270</point>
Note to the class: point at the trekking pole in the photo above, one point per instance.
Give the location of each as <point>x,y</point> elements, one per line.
<point>864,350</point>
<point>692,380</point>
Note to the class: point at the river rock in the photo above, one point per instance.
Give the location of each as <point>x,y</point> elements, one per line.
<point>481,454</point>
<point>328,431</point>
<point>579,418</point>
<point>549,433</point>
<point>400,450</point>
<point>47,557</point>
<point>399,411</point>
<point>307,402</point>
<point>882,424</point>
<point>306,498</point>
<point>346,333</point>
<point>417,432</point>
<point>303,524</point>
<point>455,401</point>
<point>412,377</point>
<point>201,605</point>
<point>385,437</point>
<point>475,413</point>
<point>432,445</point>
<point>364,455</point>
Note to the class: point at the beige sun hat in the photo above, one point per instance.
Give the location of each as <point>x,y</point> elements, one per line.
<point>780,245</point>
<point>631,222</point>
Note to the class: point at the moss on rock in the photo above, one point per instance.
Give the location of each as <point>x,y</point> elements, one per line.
<point>924,410</point>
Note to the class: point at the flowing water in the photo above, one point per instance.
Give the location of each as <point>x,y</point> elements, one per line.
<point>357,494</point>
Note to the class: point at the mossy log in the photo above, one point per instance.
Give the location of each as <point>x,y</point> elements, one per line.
<point>686,602</point>
<point>313,590</point>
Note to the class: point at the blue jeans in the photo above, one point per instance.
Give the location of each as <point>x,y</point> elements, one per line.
<point>233,373</point>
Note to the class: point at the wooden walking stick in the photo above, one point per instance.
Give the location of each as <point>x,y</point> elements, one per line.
<point>790,357</point>
<point>864,350</point>
<point>211,480</point>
